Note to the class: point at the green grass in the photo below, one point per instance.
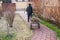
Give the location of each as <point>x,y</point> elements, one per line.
<point>3,36</point>
<point>52,27</point>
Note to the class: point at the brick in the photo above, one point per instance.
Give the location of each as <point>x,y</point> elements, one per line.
<point>43,34</point>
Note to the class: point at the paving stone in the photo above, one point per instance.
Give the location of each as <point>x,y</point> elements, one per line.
<point>43,33</point>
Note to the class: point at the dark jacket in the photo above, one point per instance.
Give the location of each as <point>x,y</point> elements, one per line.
<point>29,10</point>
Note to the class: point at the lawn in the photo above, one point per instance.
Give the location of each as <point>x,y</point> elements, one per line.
<point>52,27</point>
<point>4,36</point>
<point>19,31</point>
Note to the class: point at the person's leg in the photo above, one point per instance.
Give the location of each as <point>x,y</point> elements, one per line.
<point>31,15</point>
<point>28,17</point>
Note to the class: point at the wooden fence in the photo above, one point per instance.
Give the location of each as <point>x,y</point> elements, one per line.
<point>49,9</point>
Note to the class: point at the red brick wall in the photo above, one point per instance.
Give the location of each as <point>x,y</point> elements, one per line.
<point>9,6</point>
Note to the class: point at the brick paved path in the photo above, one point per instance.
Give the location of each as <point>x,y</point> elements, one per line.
<point>43,33</point>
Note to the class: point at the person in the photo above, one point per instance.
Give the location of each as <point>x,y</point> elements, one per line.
<point>29,11</point>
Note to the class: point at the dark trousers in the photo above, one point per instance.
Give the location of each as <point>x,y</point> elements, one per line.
<point>29,16</point>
